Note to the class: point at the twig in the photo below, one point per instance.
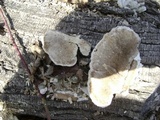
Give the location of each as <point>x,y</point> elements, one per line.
<point>13,41</point>
<point>23,61</point>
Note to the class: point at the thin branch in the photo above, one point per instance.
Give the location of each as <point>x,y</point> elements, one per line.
<point>13,41</point>
<point>23,61</point>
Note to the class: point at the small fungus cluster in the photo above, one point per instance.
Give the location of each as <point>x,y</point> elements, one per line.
<point>62,49</point>
<point>113,68</point>
<point>135,5</point>
<point>60,74</point>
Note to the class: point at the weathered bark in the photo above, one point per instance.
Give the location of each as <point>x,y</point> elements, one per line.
<point>32,19</point>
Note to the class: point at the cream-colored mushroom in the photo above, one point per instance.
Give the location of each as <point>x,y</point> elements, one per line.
<point>62,49</point>
<point>111,60</point>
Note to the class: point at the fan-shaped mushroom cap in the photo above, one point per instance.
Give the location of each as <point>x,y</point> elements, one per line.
<point>62,48</point>
<point>110,61</point>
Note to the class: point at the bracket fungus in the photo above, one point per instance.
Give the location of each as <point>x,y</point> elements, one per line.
<point>135,5</point>
<point>114,64</point>
<point>62,49</point>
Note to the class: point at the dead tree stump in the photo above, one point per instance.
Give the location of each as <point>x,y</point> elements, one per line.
<point>91,21</point>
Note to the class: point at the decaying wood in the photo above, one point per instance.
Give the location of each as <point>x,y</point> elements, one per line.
<point>32,19</point>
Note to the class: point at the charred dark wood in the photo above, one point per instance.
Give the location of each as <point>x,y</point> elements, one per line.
<point>32,19</point>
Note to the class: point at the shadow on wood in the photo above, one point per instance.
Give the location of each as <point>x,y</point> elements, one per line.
<point>91,26</point>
